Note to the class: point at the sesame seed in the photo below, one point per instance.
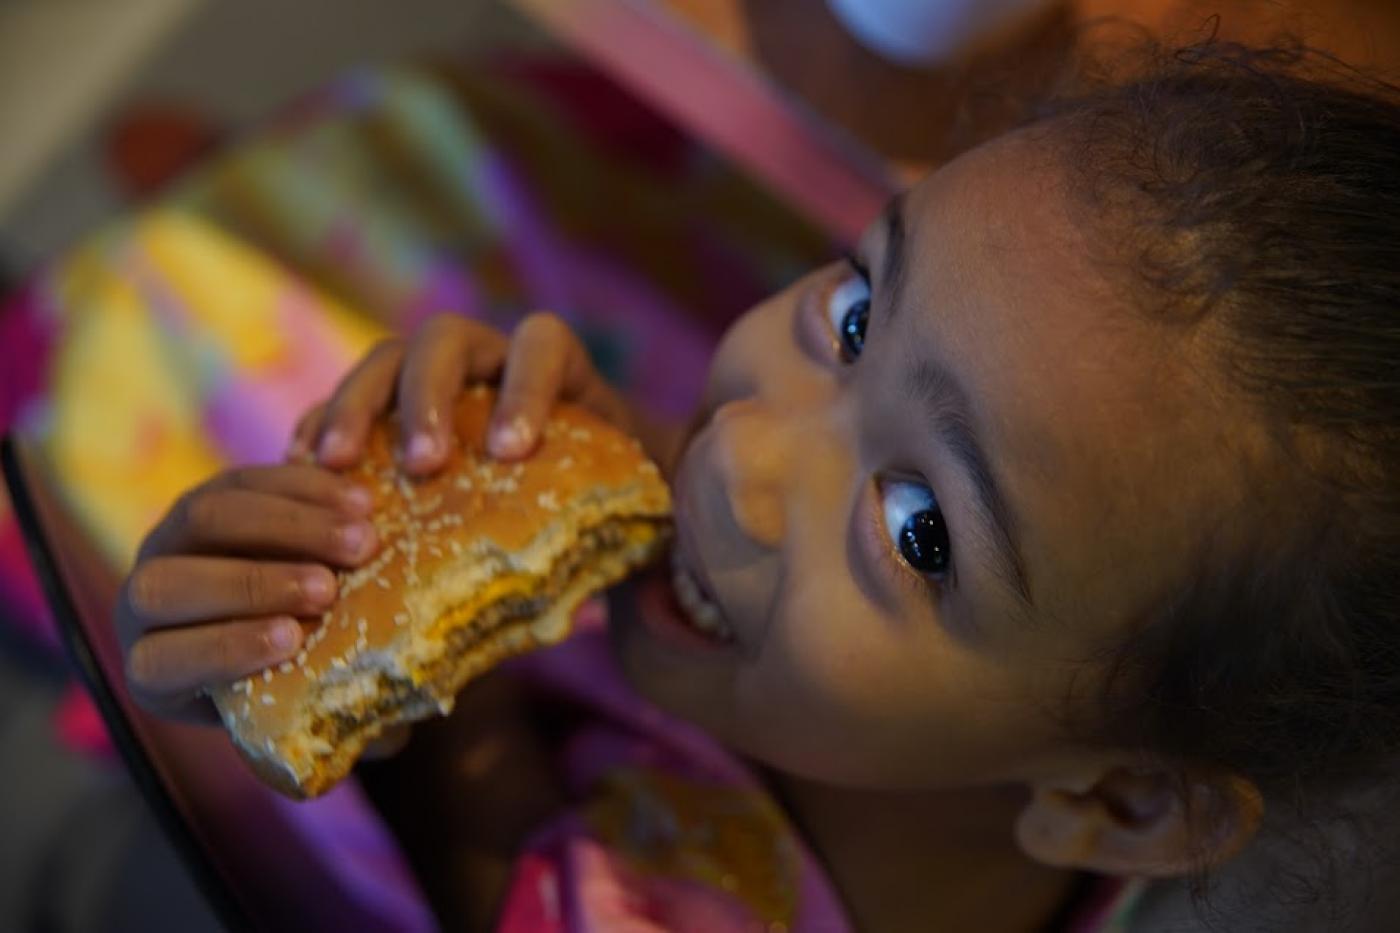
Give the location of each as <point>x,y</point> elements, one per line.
<point>247,709</point>
<point>383,583</point>
<point>268,699</point>
<point>285,667</point>
<point>301,659</point>
<point>455,546</point>
<point>400,618</point>
<point>362,624</point>
<point>267,675</point>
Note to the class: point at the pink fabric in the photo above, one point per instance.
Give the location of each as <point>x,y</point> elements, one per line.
<point>80,727</point>
<point>570,879</point>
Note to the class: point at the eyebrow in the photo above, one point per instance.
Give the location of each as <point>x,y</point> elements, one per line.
<point>892,268</point>
<point>947,404</point>
<point>948,409</point>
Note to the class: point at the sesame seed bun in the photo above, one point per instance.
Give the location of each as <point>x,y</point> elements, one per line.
<point>481,562</point>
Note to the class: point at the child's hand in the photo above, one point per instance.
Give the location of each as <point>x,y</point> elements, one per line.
<point>540,364</point>
<point>217,585</point>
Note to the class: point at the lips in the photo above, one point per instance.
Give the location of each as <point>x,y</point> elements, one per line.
<point>693,590</point>
<point>699,609</point>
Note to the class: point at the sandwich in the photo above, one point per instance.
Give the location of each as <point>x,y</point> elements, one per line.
<point>480,562</point>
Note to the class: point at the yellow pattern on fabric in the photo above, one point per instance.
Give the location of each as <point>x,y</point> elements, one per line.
<point>131,428</point>
<point>732,839</point>
<point>128,388</point>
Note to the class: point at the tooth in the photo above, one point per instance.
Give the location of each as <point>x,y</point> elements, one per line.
<point>709,619</point>
<point>699,611</point>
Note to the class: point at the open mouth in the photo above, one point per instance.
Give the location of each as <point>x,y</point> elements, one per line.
<point>698,608</point>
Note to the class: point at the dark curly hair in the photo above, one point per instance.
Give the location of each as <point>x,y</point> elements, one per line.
<point>1255,195</point>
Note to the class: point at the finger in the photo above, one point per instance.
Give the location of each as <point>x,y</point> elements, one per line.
<point>303,482</point>
<point>361,397</point>
<point>309,485</point>
<point>235,521</point>
<point>172,664</point>
<point>304,435</point>
<point>388,743</point>
<point>446,352</point>
<point>534,374</point>
<point>546,364</point>
<point>182,589</point>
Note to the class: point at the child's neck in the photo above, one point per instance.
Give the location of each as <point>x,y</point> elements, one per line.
<point>925,861</point>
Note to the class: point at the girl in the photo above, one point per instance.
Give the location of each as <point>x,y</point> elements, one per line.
<point>1053,531</point>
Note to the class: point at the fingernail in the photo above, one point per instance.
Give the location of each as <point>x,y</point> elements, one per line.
<point>354,536</point>
<point>511,437</point>
<point>334,444</point>
<point>284,635</point>
<point>317,585</point>
<point>358,498</point>
<point>421,447</point>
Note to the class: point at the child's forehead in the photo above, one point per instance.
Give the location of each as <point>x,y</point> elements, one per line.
<point>992,243</point>
<point>1102,427</point>
<point>1009,195</point>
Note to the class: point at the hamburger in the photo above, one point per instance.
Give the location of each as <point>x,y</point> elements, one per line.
<point>480,562</point>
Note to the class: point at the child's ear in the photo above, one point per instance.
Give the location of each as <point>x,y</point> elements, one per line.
<point>1144,823</point>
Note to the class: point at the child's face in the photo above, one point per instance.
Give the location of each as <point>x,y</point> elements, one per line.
<point>1074,448</point>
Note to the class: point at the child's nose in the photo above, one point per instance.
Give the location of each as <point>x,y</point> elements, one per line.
<point>751,447</point>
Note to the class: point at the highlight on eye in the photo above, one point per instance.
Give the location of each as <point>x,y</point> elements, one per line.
<point>916,527</point>
<point>848,310</point>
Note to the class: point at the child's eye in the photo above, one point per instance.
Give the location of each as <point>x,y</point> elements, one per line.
<point>915,525</point>
<point>847,309</point>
